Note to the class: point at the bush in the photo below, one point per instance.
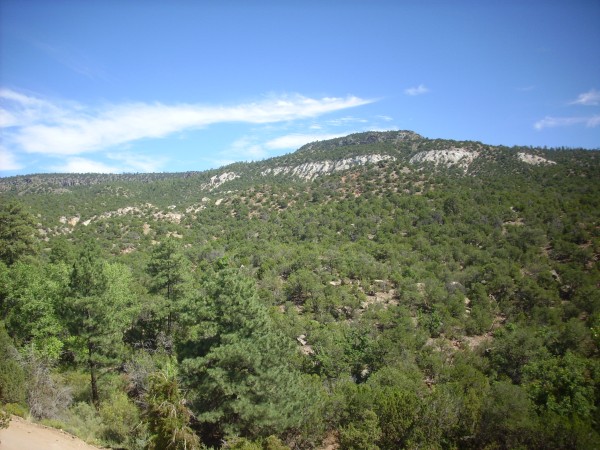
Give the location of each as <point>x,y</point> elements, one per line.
<point>47,396</point>
<point>121,425</point>
<point>362,434</point>
<point>83,420</point>
<point>167,415</point>
<point>16,409</point>
<point>12,376</point>
<point>4,419</point>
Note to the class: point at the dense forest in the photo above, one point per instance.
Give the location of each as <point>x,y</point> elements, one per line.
<point>377,291</point>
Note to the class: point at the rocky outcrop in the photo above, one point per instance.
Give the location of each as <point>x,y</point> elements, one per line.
<point>452,157</point>
<point>534,160</point>
<point>309,171</point>
<point>218,180</point>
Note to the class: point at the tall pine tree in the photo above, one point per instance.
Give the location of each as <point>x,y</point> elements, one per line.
<point>98,310</point>
<point>239,368</point>
<point>171,280</point>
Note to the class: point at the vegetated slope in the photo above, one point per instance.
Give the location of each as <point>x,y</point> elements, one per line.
<point>86,195</point>
<point>441,292</point>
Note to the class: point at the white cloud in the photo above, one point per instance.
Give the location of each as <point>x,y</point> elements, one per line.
<point>345,121</point>
<point>8,160</point>
<point>247,149</point>
<point>418,90</point>
<point>138,163</point>
<point>294,141</point>
<point>554,122</point>
<point>35,125</point>
<point>590,98</point>
<point>20,110</point>
<point>385,118</point>
<point>84,165</point>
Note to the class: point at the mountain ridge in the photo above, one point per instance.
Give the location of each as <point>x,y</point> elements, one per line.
<point>318,158</point>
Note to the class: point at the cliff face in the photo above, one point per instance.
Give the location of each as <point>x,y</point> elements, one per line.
<point>309,171</point>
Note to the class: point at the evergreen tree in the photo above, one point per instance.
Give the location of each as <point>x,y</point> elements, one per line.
<point>239,367</point>
<point>17,233</point>
<point>98,310</point>
<point>171,279</point>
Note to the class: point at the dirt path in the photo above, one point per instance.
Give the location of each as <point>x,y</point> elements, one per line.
<point>23,435</point>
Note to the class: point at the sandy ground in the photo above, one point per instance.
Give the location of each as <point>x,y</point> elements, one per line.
<point>23,435</point>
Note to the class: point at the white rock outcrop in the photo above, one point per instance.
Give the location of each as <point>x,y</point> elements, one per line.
<point>309,171</point>
<point>218,180</point>
<point>460,157</point>
<point>534,159</point>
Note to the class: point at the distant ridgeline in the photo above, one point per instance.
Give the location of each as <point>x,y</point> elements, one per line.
<point>334,155</point>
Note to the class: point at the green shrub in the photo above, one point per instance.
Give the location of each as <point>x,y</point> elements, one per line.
<point>16,409</point>
<point>84,421</point>
<point>121,425</point>
<point>4,419</point>
<point>12,375</point>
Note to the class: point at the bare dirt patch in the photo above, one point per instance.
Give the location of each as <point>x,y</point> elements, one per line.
<point>22,434</point>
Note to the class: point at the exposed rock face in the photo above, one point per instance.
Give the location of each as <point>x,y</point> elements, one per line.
<point>218,180</point>
<point>534,159</point>
<point>309,171</point>
<point>460,157</point>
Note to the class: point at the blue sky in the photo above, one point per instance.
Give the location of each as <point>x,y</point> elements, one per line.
<point>161,86</point>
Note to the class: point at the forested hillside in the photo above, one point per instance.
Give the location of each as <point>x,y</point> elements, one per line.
<point>377,291</point>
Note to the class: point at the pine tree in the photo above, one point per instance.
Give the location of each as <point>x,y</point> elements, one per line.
<point>239,368</point>
<point>17,233</point>
<point>98,310</point>
<point>171,279</point>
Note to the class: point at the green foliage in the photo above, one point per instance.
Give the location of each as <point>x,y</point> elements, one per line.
<point>362,434</point>
<point>121,423</point>
<point>12,375</point>
<point>17,233</point>
<point>33,304</point>
<point>171,280</point>
<point>508,419</point>
<point>239,368</point>
<point>269,443</point>
<point>4,418</point>
<point>167,415</point>
<point>563,385</point>
<point>98,310</point>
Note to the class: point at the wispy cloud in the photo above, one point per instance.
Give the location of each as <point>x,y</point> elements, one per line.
<point>294,141</point>
<point>73,60</point>
<point>77,164</point>
<point>8,161</point>
<point>246,148</point>
<point>343,121</point>
<point>34,125</point>
<point>117,163</point>
<point>590,98</point>
<point>554,122</point>
<point>417,90</point>
<point>130,162</point>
